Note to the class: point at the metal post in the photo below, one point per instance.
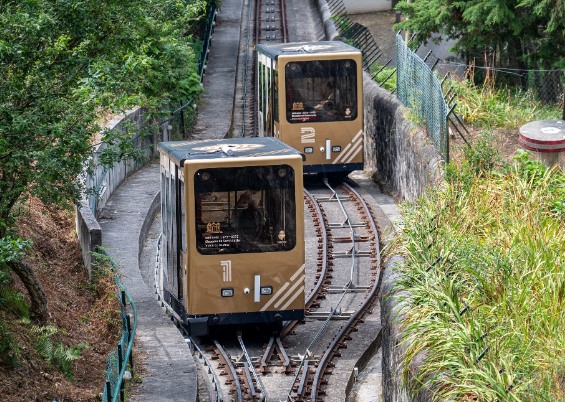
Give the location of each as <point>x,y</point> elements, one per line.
<point>120,366</point>
<point>130,340</point>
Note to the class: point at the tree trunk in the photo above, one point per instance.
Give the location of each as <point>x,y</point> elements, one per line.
<point>39,310</point>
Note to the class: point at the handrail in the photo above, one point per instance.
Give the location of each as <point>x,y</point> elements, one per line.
<point>122,357</point>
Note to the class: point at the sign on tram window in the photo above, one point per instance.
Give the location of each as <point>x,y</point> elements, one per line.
<point>244,210</point>
<point>321,90</point>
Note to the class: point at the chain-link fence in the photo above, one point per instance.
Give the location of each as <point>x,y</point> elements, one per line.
<point>419,89</point>
<point>417,85</point>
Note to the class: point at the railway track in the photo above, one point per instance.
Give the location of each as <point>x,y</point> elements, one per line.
<point>264,22</point>
<point>307,361</point>
<point>310,360</point>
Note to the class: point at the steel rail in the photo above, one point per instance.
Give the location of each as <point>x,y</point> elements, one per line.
<point>210,371</point>
<point>232,372</point>
<point>334,310</point>
<point>316,291</point>
<point>331,350</point>
<point>351,231</point>
<point>251,369</point>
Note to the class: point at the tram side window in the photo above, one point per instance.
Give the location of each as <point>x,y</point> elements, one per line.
<point>183,217</point>
<point>321,90</point>
<point>164,216</point>
<point>243,210</point>
<point>275,83</point>
<point>172,224</point>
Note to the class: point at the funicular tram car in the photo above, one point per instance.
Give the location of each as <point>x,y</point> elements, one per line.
<point>310,96</point>
<point>232,232</point>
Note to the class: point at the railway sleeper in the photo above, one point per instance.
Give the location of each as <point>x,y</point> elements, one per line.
<point>349,239</point>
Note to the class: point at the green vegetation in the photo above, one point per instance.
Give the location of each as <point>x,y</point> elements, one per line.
<point>380,74</point>
<point>487,107</point>
<point>483,277</point>
<point>525,37</point>
<point>64,65</point>
<point>10,300</point>
<point>55,352</point>
<point>519,33</point>
<point>483,282</point>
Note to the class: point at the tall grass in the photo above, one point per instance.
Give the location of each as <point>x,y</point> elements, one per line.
<point>487,107</point>
<point>484,279</point>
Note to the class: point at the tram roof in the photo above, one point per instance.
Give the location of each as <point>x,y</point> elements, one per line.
<point>301,48</point>
<point>245,147</point>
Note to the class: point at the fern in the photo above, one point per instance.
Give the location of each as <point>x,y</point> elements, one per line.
<point>56,353</point>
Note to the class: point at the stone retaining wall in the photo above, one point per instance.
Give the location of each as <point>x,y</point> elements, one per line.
<point>108,179</point>
<point>398,154</point>
<point>403,161</point>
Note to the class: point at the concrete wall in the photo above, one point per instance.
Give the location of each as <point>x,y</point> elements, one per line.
<point>89,233</point>
<point>109,178</point>
<point>397,153</point>
<point>367,6</point>
<point>329,27</point>
<point>393,389</point>
<point>405,163</point>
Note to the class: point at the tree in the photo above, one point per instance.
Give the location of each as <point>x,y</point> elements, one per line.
<point>62,64</point>
<point>501,32</point>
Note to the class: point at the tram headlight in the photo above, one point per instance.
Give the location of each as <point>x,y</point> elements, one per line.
<point>266,290</point>
<point>227,292</point>
<point>308,150</point>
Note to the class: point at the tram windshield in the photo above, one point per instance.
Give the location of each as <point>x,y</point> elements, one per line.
<point>321,90</point>
<point>245,210</point>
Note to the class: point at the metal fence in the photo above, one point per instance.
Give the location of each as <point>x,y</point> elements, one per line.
<point>417,85</point>
<point>356,35</point>
<point>419,89</point>
<point>121,358</point>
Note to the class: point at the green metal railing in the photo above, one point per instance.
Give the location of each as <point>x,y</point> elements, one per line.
<point>209,30</point>
<point>121,358</point>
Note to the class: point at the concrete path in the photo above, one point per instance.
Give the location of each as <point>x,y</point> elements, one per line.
<point>216,105</point>
<point>169,369</point>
